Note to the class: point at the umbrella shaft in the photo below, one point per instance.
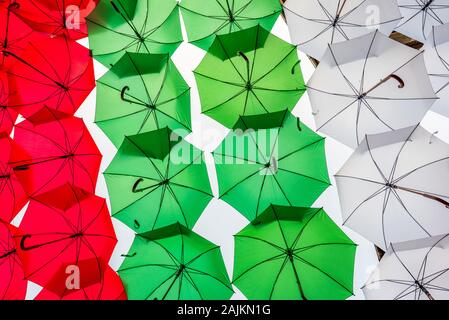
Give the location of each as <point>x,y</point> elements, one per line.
<point>172,284</point>
<point>298,282</point>
<point>340,10</point>
<point>429,196</point>
<point>8,254</point>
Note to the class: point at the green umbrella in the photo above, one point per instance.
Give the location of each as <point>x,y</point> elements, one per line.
<point>174,263</point>
<point>147,26</point>
<point>294,253</point>
<point>156,179</point>
<point>270,159</point>
<point>203,21</point>
<point>142,92</point>
<point>248,72</point>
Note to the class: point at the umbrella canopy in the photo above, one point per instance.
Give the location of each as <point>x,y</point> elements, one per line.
<point>8,115</point>
<point>248,72</point>
<point>395,186</point>
<point>270,159</point>
<point>436,55</point>
<point>420,16</point>
<point>155,180</point>
<point>56,73</point>
<point>80,230</point>
<point>315,24</point>
<point>369,85</point>
<point>58,149</point>
<point>203,22</point>
<point>12,195</point>
<point>412,270</point>
<point>177,264</point>
<point>146,26</point>
<point>290,253</point>
<point>13,286</point>
<point>141,93</point>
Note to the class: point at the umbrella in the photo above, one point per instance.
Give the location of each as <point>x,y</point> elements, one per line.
<point>146,26</point>
<point>55,17</point>
<point>315,24</point>
<point>59,149</point>
<point>13,286</point>
<point>80,230</point>
<point>12,195</point>
<point>270,159</point>
<point>412,270</point>
<point>291,253</point>
<point>156,180</point>
<point>369,85</point>
<point>203,22</point>
<point>248,72</point>
<point>436,55</point>
<point>177,264</point>
<point>419,16</point>
<point>395,186</point>
<point>56,73</point>
<point>142,92</point>
<point>8,115</point>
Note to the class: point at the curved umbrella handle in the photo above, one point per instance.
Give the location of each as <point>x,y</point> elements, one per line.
<point>122,94</point>
<point>298,124</point>
<point>129,255</point>
<point>22,243</point>
<point>398,79</point>
<point>294,66</point>
<point>136,184</point>
<point>27,236</point>
<point>14,5</point>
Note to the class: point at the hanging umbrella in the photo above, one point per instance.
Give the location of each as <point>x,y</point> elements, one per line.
<point>270,159</point>
<point>369,85</point>
<point>8,115</point>
<point>436,55</point>
<point>248,72</point>
<point>412,270</point>
<point>12,196</point>
<point>146,26</point>
<point>13,286</point>
<point>177,264</point>
<point>203,22</point>
<point>60,230</point>
<point>315,24</point>
<point>142,92</point>
<point>156,180</point>
<point>294,253</point>
<point>55,17</point>
<point>59,149</point>
<point>419,16</point>
<point>395,186</point>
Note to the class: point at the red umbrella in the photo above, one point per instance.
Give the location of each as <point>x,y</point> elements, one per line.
<point>57,73</point>
<point>8,115</point>
<point>13,286</point>
<point>12,196</point>
<point>60,230</point>
<point>60,150</point>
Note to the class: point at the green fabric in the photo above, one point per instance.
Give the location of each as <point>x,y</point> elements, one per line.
<point>248,72</point>
<point>282,165</point>
<point>204,20</point>
<point>146,26</point>
<point>142,92</point>
<point>294,253</point>
<point>174,263</point>
<point>157,179</point>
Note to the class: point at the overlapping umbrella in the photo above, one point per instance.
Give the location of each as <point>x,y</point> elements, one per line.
<point>394,187</point>
<point>270,159</point>
<point>204,21</point>
<point>369,85</point>
<point>248,72</point>
<point>142,92</point>
<point>315,24</point>
<point>8,115</point>
<point>177,264</point>
<point>294,253</point>
<point>146,26</point>
<point>156,179</point>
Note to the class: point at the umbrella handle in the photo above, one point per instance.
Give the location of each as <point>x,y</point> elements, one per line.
<point>241,54</point>
<point>298,124</point>
<point>27,236</point>
<point>122,94</point>
<point>14,5</point>
<point>136,184</point>
<point>129,255</point>
<point>294,66</point>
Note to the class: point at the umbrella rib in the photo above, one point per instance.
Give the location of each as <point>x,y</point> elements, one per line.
<point>161,265</point>
<point>419,168</point>
<point>204,15</point>
<point>229,58</point>
<point>260,194</point>
<point>196,271</point>
<point>396,160</point>
<point>237,158</point>
<point>218,80</point>
<point>191,188</point>
<point>179,204</point>
<point>262,240</point>
<point>190,279</point>
<point>372,196</point>
<point>277,277</point>
<point>321,139</point>
<point>151,161</point>
<point>161,200</point>
<point>305,176</point>
<point>226,101</point>
<point>293,50</point>
<point>358,178</point>
<point>241,181</point>
<point>257,265</point>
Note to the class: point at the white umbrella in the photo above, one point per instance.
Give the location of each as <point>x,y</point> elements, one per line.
<point>395,187</point>
<point>436,56</point>
<point>419,16</point>
<point>369,85</point>
<point>412,270</point>
<point>313,24</point>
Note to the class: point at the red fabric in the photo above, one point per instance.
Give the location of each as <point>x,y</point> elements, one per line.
<point>59,150</point>
<point>8,115</point>
<point>55,235</point>
<point>56,73</point>
<point>12,283</point>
